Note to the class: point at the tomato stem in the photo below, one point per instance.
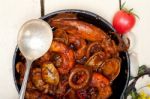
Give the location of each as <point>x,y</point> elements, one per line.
<point>120,4</point>
<point>136,15</point>
<point>130,11</point>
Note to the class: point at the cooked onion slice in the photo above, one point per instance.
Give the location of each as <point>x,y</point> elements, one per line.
<point>79,77</point>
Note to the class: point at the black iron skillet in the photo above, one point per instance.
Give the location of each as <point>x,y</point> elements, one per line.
<point>120,83</point>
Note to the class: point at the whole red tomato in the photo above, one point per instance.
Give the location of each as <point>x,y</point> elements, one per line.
<point>123,21</point>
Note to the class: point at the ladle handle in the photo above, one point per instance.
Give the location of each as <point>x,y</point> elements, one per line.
<point>24,83</point>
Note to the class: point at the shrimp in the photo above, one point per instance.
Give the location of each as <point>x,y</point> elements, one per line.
<point>38,81</point>
<point>20,68</point>
<point>32,94</point>
<point>109,47</point>
<point>45,58</point>
<point>102,84</point>
<point>66,54</point>
<point>84,30</point>
<point>61,35</point>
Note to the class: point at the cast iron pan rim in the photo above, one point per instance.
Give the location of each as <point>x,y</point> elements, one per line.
<point>84,12</point>
<point>14,67</point>
<point>128,75</point>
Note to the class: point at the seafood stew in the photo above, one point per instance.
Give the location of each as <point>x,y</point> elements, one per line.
<point>83,62</point>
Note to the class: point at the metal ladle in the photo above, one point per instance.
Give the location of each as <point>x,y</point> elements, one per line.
<point>34,40</point>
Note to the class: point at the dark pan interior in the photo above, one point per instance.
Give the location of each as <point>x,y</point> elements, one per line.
<point>120,83</point>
